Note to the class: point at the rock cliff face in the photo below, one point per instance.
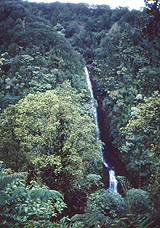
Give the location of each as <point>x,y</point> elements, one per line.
<point>110,152</point>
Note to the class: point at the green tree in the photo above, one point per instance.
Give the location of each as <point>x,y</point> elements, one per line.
<point>143,127</point>
<point>51,126</point>
<point>152,21</point>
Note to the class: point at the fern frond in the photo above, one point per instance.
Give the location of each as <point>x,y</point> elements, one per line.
<point>77,217</point>
<point>3,199</point>
<point>144,223</point>
<point>8,218</point>
<point>8,179</point>
<point>20,192</point>
<point>124,225</point>
<point>45,194</point>
<point>91,219</point>
<point>94,219</point>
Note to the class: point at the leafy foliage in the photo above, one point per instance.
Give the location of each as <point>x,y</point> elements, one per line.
<point>143,126</point>
<point>50,132</point>
<point>31,63</point>
<point>23,204</point>
<point>49,126</point>
<point>103,207</point>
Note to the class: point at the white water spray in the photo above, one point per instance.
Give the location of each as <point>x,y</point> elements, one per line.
<point>112,178</point>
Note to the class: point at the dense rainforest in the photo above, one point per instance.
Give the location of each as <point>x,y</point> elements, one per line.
<point>51,169</point>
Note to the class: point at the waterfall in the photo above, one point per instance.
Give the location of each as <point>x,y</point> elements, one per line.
<point>112,178</point>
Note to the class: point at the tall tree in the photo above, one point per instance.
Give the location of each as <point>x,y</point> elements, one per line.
<point>53,133</point>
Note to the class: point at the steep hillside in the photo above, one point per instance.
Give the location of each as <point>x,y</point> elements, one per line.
<point>48,139</point>
<point>34,56</point>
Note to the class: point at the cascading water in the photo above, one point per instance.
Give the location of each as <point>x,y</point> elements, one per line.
<point>112,178</point>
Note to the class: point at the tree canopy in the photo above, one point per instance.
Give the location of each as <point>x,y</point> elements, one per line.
<point>51,134</point>
<point>48,138</point>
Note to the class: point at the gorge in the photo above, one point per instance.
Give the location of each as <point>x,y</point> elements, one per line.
<point>68,132</point>
<point>113,183</point>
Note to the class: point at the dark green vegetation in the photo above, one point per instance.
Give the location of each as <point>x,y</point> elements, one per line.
<point>51,169</point>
